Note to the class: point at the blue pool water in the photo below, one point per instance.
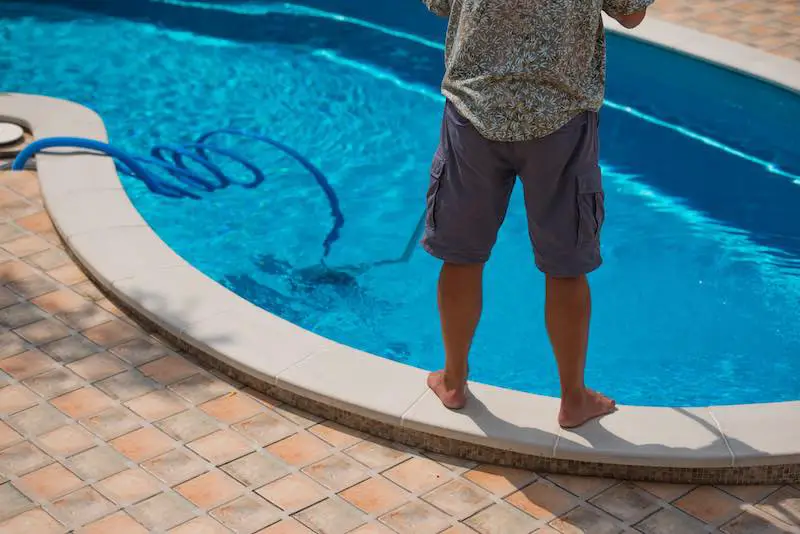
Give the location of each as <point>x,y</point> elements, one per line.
<point>699,300</point>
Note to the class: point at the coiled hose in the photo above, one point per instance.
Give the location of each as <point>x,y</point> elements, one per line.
<point>171,161</point>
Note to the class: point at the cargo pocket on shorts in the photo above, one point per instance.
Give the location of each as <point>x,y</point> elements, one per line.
<point>437,170</point>
<point>591,206</point>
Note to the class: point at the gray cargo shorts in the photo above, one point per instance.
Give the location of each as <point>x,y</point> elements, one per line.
<point>471,183</point>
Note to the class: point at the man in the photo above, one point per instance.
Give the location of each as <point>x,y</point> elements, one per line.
<point>524,81</point>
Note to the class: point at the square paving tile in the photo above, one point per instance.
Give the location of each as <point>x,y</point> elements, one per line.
<point>143,444</point>
<point>69,274</point>
<point>247,514</point>
<point>10,344</point>
<point>49,483</point>
<point>232,408</point>
<point>111,333</point>
<point>157,405</point>
<point>37,420</point>
<point>500,480</point>
<point>288,526</point>
<point>783,504</point>
<point>418,475</point>
<point>14,399</point>
<point>293,492</point>
<point>301,449</point>
<point>54,382</point>
<point>8,436</point>
<point>22,458</point>
<point>200,525</point>
<point>211,489</point>
<point>60,300</point>
<point>583,487</point>
<point>666,492</point>
<point>377,454</point>
<point>70,349</point>
<point>256,469</point>
<point>169,369</point>
<point>754,521</point>
<point>201,388</point>
<point>749,494</point>
<point>502,519</point>
<point>34,521</point>
<point>456,465</point>
<point>119,523</point>
<point>112,423</point>
<point>189,425</point>
<point>129,487</point>
<point>710,505</point>
<point>337,472</point>
<point>298,417</point>
<point>126,386</point>
<point>221,447</point>
<point>164,511</point>
<point>337,435</point>
<point>176,466</point>
<point>140,351</point>
<point>97,463</point>
<point>671,521</point>
<point>585,519</point>
<point>81,403</point>
<point>44,331</point>
<point>32,286</point>
<point>84,317</point>
<point>66,441</point>
<point>81,507</point>
<point>266,428</point>
<point>376,496</point>
<point>331,516</point>
<point>27,364</point>
<point>543,500</point>
<point>12,502</point>
<point>97,367</point>
<point>459,498</point>
<point>626,502</point>
<point>19,315</point>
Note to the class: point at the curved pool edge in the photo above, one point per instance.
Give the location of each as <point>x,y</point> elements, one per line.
<point>109,238</point>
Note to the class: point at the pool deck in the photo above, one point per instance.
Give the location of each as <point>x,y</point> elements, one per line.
<point>105,424</point>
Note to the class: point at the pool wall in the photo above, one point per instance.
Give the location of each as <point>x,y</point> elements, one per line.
<point>722,444</point>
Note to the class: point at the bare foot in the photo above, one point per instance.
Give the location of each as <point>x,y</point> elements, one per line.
<point>590,406</point>
<point>453,399</point>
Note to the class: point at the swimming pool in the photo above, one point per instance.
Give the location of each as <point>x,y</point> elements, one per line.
<point>702,248</point>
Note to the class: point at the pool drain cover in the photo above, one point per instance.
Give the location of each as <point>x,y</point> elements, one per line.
<point>10,133</point>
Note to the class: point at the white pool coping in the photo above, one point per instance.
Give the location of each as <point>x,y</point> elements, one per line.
<point>103,229</point>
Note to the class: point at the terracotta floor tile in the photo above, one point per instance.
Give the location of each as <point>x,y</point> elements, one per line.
<point>256,469</point>
<point>502,519</point>
<point>22,458</point>
<point>288,526</point>
<point>97,367</point>
<point>378,528</point>
<point>49,482</point>
<point>19,315</point>
<point>14,399</point>
<point>266,428</point>
<point>38,420</point>
<point>143,444</point>
<point>111,333</point>
<point>32,286</point>
<point>189,425</point>
<point>376,496</point>
<point>48,259</point>
<point>331,516</point>
<point>671,521</point>
<point>248,513</point>
<point>543,500</point>
<point>298,417</point>
<point>34,522</point>
<point>86,316</point>
<point>53,383</point>
<point>293,493</point>
<point>627,502</point>
<point>10,344</point>
<point>68,274</point>
<point>82,403</point>
<point>66,441</point>
<point>119,523</point>
<point>164,511</point>
<point>783,504</point>
<point>60,300</point>
<point>263,398</point>
<point>70,349</point>
<point>176,466</point>
<point>27,364</point>
<point>81,507</point>
<point>128,385</point>
<point>456,465</point>
<point>377,455</point>
<point>200,525</point>
<point>232,407</point>
<point>112,423</point>
<point>8,436</point>
<point>416,517</point>
<point>201,388</point>
<point>584,487</point>
<point>97,463</point>
<point>169,369</point>
<point>459,498</point>
<point>418,475</point>
<point>140,351</point>
<point>337,435</point>
<point>500,480</point>
<point>584,520</point>
<point>710,505</point>
<point>337,472</point>
<point>25,245</point>
<point>754,521</point>
<point>128,487</point>
<point>221,447</point>
<point>12,502</point>
<point>157,405</point>
<point>749,494</point>
<point>300,449</point>
<point>211,489</point>
<point>666,492</point>
<point>44,331</point>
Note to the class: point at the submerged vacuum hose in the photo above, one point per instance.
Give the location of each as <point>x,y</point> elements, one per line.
<point>172,160</point>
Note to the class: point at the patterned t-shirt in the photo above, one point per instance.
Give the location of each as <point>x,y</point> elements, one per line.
<point>521,69</point>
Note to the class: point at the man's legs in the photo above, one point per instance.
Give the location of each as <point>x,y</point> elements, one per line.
<point>460,305</point>
<point>567,313</point>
